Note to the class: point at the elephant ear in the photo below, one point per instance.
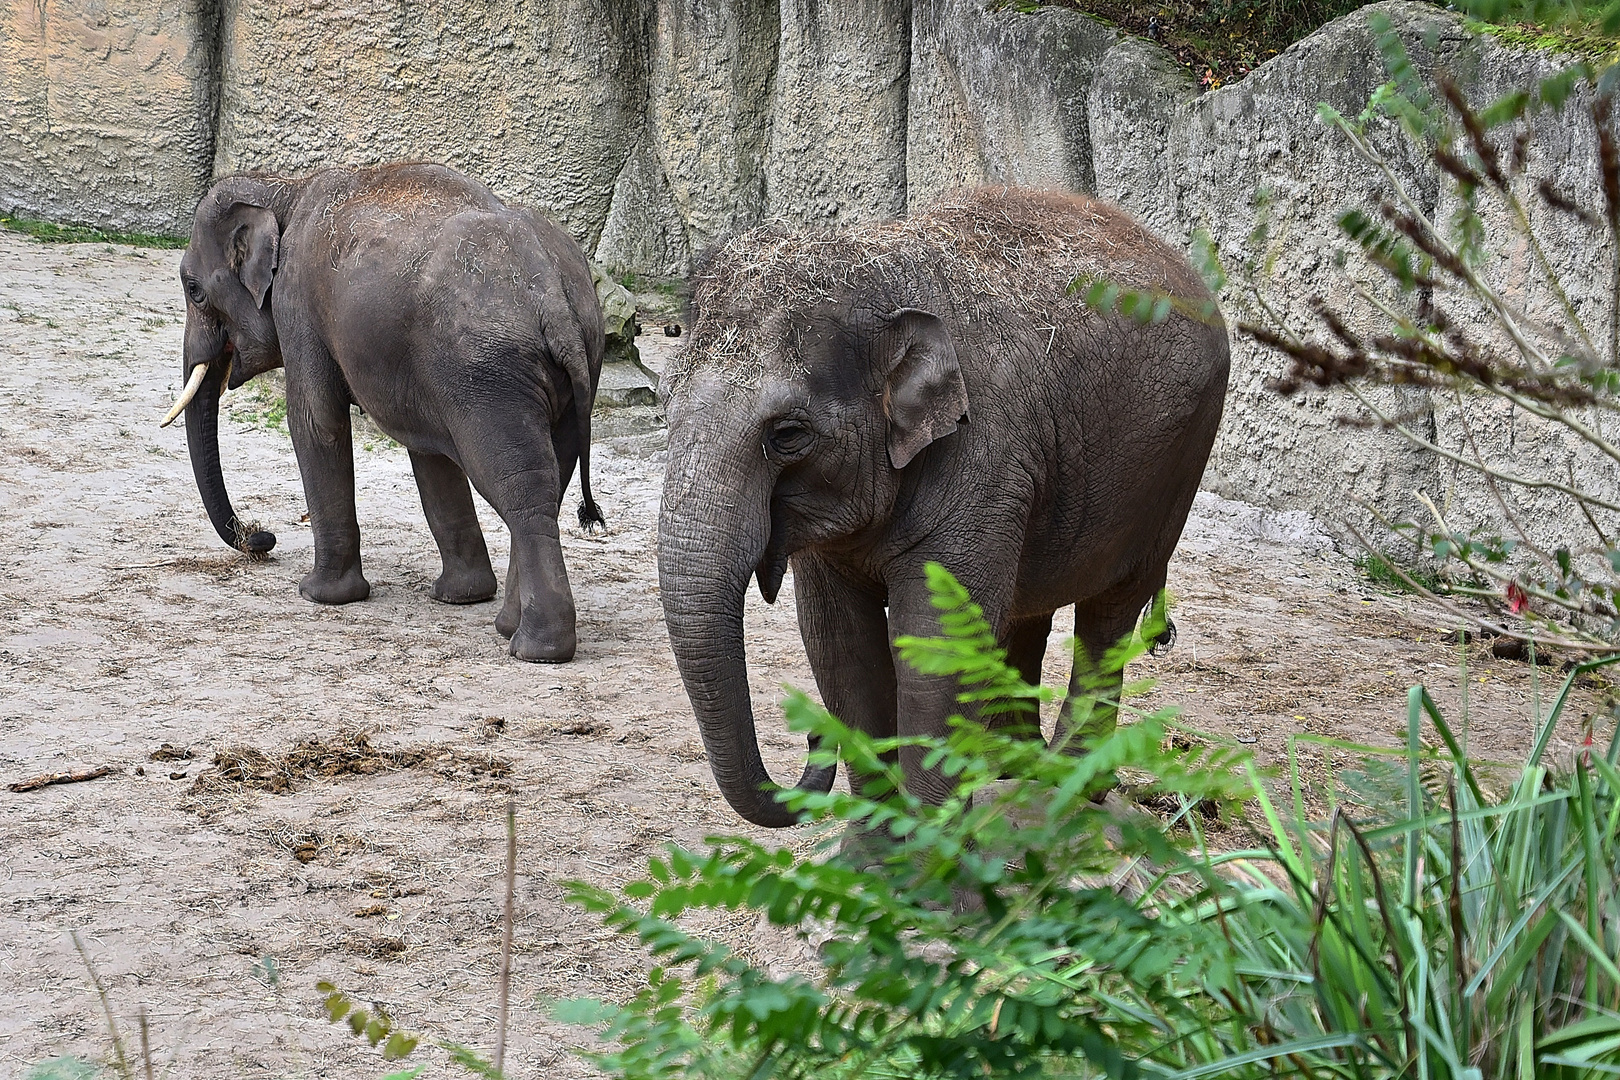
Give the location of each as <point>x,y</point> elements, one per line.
<point>924,397</point>
<point>254,247</point>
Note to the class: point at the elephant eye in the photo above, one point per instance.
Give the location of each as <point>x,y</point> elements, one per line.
<point>789,439</point>
<point>194,291</point>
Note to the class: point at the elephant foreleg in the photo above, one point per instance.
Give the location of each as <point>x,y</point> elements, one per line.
<point>846,637</point>
<point>926,702</point>
<point>318,420</point>
<point>467,576</point>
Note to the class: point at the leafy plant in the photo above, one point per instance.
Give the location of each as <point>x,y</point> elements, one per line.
<point>1381,572</point>
<point>376,1027</point>
<point>1557,369</point>
<point>1588,16</point>
<point>1024,928</point>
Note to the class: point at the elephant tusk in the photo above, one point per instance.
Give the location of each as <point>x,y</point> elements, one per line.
<point>198,374</point>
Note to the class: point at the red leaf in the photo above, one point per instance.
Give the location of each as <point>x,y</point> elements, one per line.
<point>1517,598</point>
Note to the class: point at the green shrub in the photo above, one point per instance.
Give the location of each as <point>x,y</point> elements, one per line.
<point>1583,17</point>
<point>1025,929</point>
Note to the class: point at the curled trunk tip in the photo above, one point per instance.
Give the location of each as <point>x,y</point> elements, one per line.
<point>202,443</point>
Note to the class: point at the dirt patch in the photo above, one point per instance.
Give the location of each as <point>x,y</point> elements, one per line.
<point>128,626</point>
<point>247,768</point>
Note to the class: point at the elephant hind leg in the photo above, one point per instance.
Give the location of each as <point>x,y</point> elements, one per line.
<point>1026,649</point>
<point>517,473</point>
<point>506,620</point>
<point>466,577</point>
<point>1100,624</point>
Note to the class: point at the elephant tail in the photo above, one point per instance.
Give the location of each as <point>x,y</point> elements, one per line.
<point>571,324</point>
<point>590,515</point>
<point>571,348</point>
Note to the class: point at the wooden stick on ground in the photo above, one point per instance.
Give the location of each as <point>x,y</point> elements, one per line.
<point>47,779</point>
<point>506,935</point>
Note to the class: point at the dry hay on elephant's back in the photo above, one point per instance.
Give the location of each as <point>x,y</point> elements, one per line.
<point>247,768</point>
<point>982,250</point>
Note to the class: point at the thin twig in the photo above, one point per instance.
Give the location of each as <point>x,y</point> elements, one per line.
<point>1603,537</point>
<point>1490,482</point>
<point>1504,577</point>
<point>146,1046</point>
<point>1390,422</point>
<point>1483,290</point>
<point>121,1058</point>
<point>1458,610</point>
<point>506,935</point>
<point>78,777</point>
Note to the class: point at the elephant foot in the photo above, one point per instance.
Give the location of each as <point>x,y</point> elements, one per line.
<point>556,647</point>
<point>865,849</point>
<point>464,587</point>
<point>344,589</point>
<point>511,614</point>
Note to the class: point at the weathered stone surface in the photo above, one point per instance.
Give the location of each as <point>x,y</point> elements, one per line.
<point>837,150</point>
<point>541,100</point>
<point>709,110</point>
<point>1562,149</point>
<point>1226,161</point>
<point>620,323</point>
<point>1138,100</point>
<point>644,231</point>
<point>106,111</point>
<point>1182,163</point>
<point>999,97</point>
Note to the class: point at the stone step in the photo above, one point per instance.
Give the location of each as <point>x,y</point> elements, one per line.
<point>624,385</point>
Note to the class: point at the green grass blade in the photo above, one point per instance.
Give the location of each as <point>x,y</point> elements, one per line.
<point>1226,1065</point>
<point>1508,978</point>
<point>1459,759</point>
<point>1545,735</point>
<point>1594,952</point>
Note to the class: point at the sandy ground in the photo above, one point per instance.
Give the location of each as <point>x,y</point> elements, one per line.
<point>127,627</point>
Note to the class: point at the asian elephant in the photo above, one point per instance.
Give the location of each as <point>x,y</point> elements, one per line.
<point>856,404</point>
<point>467,329</point>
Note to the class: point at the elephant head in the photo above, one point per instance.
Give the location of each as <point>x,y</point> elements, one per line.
<point>227,273</point>
<point>790,427</point>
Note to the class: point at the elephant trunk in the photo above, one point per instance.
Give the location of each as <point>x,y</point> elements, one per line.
<point>202,441</point>
<point>712,531</point>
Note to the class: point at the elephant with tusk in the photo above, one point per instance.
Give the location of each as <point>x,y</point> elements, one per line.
<point>467,329</point>
<point>857,404</point>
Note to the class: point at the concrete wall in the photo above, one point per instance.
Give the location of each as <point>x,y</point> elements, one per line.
<point>107,110</point>
<point>650,127</point>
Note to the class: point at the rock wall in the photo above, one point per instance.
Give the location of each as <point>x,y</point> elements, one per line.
<point>107,111</point>
<point>651,127</point>
<point>1182,161</point>
<point>541,99</point>
<point>1225,161</point>
<point>999,97</point>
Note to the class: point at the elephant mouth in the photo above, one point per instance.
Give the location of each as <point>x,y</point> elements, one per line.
<point>199,372</point>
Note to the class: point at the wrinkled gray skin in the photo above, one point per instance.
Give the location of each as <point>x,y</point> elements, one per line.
<point>468,330</point>
<point>894,411</point>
